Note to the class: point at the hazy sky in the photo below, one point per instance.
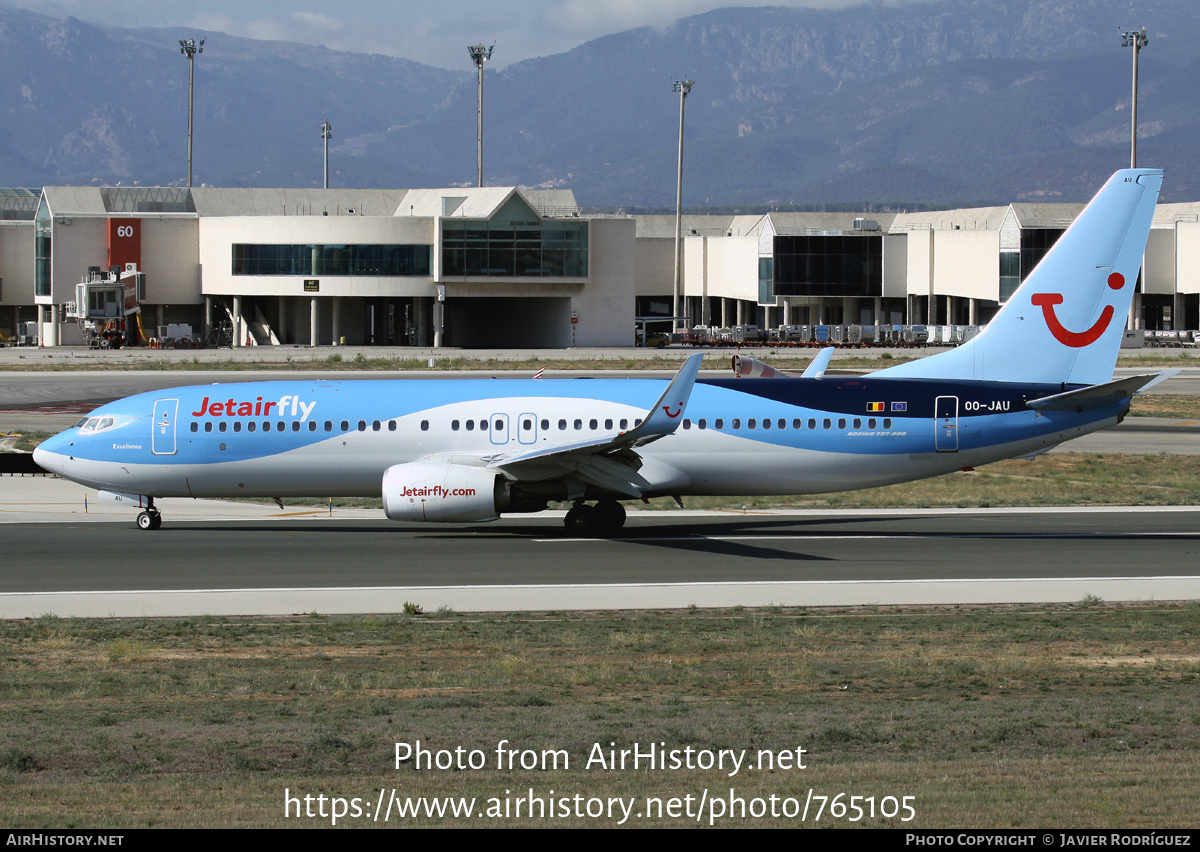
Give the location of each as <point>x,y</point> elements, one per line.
<point>428,31</point>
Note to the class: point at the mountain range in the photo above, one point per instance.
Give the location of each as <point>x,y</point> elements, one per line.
<point>946,102</point>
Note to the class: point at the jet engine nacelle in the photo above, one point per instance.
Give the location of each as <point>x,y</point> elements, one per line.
<point>745,367</point>
<point>441,491</point>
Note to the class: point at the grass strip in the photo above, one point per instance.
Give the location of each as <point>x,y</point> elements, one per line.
<point>1078,715</point>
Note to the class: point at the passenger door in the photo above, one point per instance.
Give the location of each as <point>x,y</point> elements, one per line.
<point>162,438</point>
<point>946,424</point>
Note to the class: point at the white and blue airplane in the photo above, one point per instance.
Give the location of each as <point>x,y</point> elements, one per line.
<point>471,450</point>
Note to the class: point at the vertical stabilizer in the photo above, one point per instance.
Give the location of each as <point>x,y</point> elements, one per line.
<point>1065,322</point>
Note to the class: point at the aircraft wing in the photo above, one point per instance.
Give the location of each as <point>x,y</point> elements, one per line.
<point>611,461</point>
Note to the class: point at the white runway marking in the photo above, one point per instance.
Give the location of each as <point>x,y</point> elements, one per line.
<point>495,598</point>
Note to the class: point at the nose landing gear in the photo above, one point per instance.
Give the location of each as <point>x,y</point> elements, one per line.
<point>151,519</point>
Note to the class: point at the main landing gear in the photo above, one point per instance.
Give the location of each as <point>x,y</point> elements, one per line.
<point>605,518</point>
<point>151,519</point>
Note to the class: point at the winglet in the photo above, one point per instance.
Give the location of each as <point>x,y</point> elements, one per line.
<point>666,415</point>
<point>816,368</point>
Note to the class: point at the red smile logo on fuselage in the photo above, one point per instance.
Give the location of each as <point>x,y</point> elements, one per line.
<point>678,411</point>
<point>1076,339</point>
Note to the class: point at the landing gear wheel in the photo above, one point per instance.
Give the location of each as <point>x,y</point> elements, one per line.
<point>580,519</point>
<point>149,520</point>
<point>609,516</point>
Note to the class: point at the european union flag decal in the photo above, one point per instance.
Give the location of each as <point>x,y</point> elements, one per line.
<point>899,406</point>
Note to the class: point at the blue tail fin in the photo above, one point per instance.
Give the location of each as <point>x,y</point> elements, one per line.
<point>1066,321</point>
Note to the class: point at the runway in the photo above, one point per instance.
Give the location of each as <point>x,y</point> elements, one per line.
<point>280,564</point>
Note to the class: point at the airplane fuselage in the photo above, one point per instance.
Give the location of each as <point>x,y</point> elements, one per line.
<point>737,436</point>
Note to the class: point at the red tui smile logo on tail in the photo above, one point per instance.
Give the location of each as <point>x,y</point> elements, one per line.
<point>1076,339</point>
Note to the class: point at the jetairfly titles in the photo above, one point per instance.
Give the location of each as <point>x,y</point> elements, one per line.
<point>258,408</point>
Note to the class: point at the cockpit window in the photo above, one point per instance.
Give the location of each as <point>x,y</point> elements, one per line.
<point>101,424</point>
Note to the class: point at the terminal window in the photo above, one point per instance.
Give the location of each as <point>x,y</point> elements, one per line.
<point>828,265</point>
<point>515,249</point>
<point>362,259</point>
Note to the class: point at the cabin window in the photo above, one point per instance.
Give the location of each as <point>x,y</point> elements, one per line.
<point>237,425</point>
<point>545,425</point>
<point>624,423</point>
<point>887,423</point>
<point>871,423</point>
<point>375,425</point>
<point>251,426</point>
<point>720,424</point>
<point>208,426</point>
<point>702,423</point>
<point>453,425</point>
<point>752,423</point>
<point>782,424</point>
<point>391,425</point>
<point>295,425</point>
<point>312,425</point>
<point>362,425</point>
<point>346,425</point>
<point>826,423</point>
<point>857,423</point>
<point>470,425</point>
<point>593,424</point>
<point>280,426</point>
<point>766,422</point>
<point>195,426</point>
<point>499,426</point>
<point>562,424</point>
<point>737,423</point>
<point>328,425</point>
<point>527,424</point>
<point>797,423</point>
<point>841,422</point>
<point>687,424</point>
<point>424,425</point>
<point>608,423</point>
<point>222,426</point>
<point>812,423</point>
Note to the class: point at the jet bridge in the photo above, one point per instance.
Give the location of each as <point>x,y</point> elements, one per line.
<point>104,303</point>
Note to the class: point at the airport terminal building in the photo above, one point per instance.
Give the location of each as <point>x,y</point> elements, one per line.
<point>514,267</point>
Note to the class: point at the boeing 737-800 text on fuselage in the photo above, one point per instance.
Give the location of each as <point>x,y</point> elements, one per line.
<point>470,450</point>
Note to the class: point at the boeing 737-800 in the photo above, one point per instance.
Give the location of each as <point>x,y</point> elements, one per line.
<point>470,450</point>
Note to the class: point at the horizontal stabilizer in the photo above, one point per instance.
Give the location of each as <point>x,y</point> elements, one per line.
<point>1098,395</point>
